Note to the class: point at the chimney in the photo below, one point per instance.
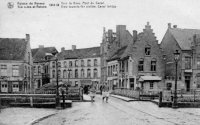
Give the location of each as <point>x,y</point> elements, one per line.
<point>175,26</point>
<point>169,25</point>
<point>41,46</point>
<point>27,37</point>
<point>134,35</point>
<point>73,47</point>
<point>62,49</point>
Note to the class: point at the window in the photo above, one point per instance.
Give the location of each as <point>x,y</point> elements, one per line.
<point>82,73</point>
<point>15,86</point>
<point>95,62</point>
<point>89,63</point>
<point>89,73</point>
<point>82,62</point>
<point>3,70</point>
<point>147,50</point>
<point>34,70</point>
<point>153,65</point>
<point>141,65</point>
<point>53,74</point>
<point>39,70</point>
<point>151,85</point>
<point>198,62</point>
<point>169,86</point>
<point>53,64</point>
<point>76,63</point>
<point>65,64</point>
<point>198,80</point>
<point>70,63</point>
<point>64,74</point>
<point>95,73</point>
<point>59,74</point>
<point>25,73</point>
<point>59,64</point>
<point>187,62</point>
<point>76,73</point>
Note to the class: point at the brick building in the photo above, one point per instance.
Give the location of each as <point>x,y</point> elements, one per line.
<point>15,64</point>
<point>186,41</point>
<point>148,68</point>
<point>41,65</point>
<point>78,67</point>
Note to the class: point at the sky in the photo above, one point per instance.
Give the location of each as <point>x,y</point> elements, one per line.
<point>83,27</point>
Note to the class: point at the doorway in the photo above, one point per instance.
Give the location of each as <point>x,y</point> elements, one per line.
<point>187,83</point>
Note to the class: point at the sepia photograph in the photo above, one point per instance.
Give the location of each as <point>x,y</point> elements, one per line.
<point>99,62</point>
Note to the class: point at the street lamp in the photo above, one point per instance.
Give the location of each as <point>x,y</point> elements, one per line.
<point>176,57</point>
<point>164,58</point>
<point>57,91</point>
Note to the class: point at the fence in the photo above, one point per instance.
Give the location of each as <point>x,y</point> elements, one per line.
<point>137,94</point>
<point>183,96</point>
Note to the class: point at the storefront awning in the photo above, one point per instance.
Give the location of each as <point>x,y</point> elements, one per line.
<point>149,78</point>
<point>86,82</point>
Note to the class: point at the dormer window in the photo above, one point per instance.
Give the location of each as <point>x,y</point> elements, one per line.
<point>147,50</point>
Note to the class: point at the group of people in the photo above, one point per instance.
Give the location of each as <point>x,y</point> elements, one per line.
<point>104,89</point>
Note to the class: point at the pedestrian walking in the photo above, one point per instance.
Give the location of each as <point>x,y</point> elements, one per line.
<point>92,92</point>
<point>105,92</point>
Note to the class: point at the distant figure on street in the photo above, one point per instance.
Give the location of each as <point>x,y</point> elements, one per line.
<point>105,92</point>
<point>92,92</point>
<point>101,89</point>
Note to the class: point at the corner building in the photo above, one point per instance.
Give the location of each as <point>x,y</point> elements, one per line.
<point>77,67</point>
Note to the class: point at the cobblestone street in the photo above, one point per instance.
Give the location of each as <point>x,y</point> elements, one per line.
<point>120,112</point>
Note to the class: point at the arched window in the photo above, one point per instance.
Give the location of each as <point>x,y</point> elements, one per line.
<point>65,64</point>
<point>59,64</point>
<point>53,74</point>
<point>89,73</point>
<point>53,64</point>
<point>147,50</point>
<point>64,74</point>
<point>141,65</point>
<point>82,73</point>
<point>76,73</point>
<point>95,73</point>
<point>59,74</point>
<point>95,62</point>
<point>76,63</point>
<point>39,70</point>
<point>89,62</point>
<point>153,65</point>
<point>82,62</point>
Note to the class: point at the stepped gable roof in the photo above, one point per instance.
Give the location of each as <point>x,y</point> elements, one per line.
<point>118,54</point>
<point>12,48</point>
<point>40,53</point>
<point>184,37</point>
<point>80,53</point>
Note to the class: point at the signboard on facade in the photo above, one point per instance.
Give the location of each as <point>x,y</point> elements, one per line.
<point>86,82</point>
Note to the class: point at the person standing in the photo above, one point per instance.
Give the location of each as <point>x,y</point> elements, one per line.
<point>105,92</point>
<point>92,93</point>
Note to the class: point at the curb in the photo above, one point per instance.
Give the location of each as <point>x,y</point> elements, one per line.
<point>42,118</point>
<point>123,99</point>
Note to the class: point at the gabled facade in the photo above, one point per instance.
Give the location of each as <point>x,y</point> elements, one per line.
<point>77,67</point>
<point>41,65</point>
<point>147,61</point>
<point>186,42</point>
<point>112,42</point>
<point>16,65</point>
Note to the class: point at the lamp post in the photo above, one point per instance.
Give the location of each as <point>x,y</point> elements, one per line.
<point>164,58</point>
<point>176,57</point>
<point>57,91</point>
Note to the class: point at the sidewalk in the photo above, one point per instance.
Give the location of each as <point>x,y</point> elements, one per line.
<point>123,98</point>
<point>23,116</point>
